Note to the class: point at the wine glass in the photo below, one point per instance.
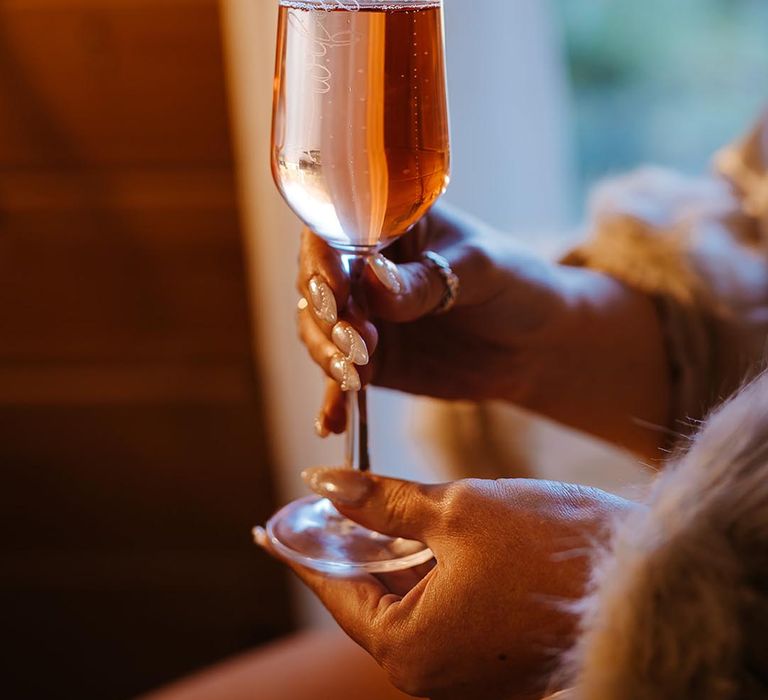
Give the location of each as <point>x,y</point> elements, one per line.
<point>360,152</point>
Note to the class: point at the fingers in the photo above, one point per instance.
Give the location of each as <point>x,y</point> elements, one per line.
<point>402,293</point>
<point>406,291</point>
<point>333,415</point>
<point>348,348</point>
<point>390,506</point>
<point>356,602</point>
<point>326,355</point>
<point>395,292</point>
<point>412,290</point>
<point>338,337</point>
<point>322,280</point>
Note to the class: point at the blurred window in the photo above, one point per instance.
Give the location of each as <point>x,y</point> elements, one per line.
<point>660,81</point>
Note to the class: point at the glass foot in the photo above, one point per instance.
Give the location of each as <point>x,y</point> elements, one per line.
<point>313,533</point>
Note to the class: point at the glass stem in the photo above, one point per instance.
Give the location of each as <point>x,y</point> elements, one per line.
<point>358,456</point>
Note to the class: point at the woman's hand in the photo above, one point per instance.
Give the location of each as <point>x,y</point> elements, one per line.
<point>490,618</point>
<point>568,343</point>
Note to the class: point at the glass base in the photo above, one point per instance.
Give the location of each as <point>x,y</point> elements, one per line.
<point>311,532</point>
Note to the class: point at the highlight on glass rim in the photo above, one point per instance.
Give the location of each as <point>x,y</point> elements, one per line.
<point>384,349</point>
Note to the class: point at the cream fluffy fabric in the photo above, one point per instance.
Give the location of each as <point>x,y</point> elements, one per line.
<point>645,226</point>
<point>679,608</point>
<point>687,243</point>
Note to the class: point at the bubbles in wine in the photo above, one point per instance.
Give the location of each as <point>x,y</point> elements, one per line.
<point>360,133</point>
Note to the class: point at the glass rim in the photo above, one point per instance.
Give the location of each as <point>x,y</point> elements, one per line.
<point>339,568</point>
<point>355,5</point>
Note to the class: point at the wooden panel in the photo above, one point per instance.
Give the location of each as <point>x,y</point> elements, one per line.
<point>116,478</point>
<point>27,384</point>
<point>121,266</point>
<point>132,443</point>
<point>111,82</point>
<point>126,555</point>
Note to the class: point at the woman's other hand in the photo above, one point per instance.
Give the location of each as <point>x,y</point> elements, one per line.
<point>488,620</point>
<point>568,343</point>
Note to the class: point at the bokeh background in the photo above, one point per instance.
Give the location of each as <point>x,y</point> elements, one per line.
<point>154,401</point>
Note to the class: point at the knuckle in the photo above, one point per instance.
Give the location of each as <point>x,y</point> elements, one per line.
<point>422,290</point>
<point>457,504</point>
<point>479,258</point>
<point>398,503</point>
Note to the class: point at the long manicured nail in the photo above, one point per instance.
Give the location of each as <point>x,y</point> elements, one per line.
<point>348,487</point>
<point>344,372</point>
<point>387,273</point>
<point>323,301</point>
<point>351,343</point>
<point>260,537</point>
<point>320,429</point>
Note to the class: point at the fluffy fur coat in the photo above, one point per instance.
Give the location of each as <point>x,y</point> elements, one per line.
<point>678,608</point>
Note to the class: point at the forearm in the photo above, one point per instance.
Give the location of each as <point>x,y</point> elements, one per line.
<point>699,252</point>
<point>609,373</point>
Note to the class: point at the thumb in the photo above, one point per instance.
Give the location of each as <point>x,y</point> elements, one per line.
<point>389,506</point>
<point>402,293</point>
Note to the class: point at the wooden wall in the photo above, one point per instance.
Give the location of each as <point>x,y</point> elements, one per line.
<point>133,454</point>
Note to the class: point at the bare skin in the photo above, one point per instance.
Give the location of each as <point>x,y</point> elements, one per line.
<point>579,347</point>
<point>486,620</point>
<point>489,619</point>
<point>312,665</point>
<point>568,343</point>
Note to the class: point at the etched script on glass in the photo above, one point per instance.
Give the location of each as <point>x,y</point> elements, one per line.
<point>360,153</point>
<point>320,42</point>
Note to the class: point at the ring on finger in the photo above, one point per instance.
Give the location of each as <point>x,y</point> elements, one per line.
<point>450,279</point>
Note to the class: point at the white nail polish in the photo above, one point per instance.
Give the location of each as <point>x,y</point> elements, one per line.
<point>260,536</point>
<point>323,301</point>
<point>387,273</point>
<point>351,343</point>
<point>344,372</point>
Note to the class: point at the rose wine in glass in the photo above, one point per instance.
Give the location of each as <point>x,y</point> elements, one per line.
<point>360,152</point>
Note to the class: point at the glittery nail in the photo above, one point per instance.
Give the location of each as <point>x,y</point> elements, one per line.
<point>344,372</point>
<point>387,273</point>
<point>323,301</point>
<point>344,486</point>
<point>351,343</point>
